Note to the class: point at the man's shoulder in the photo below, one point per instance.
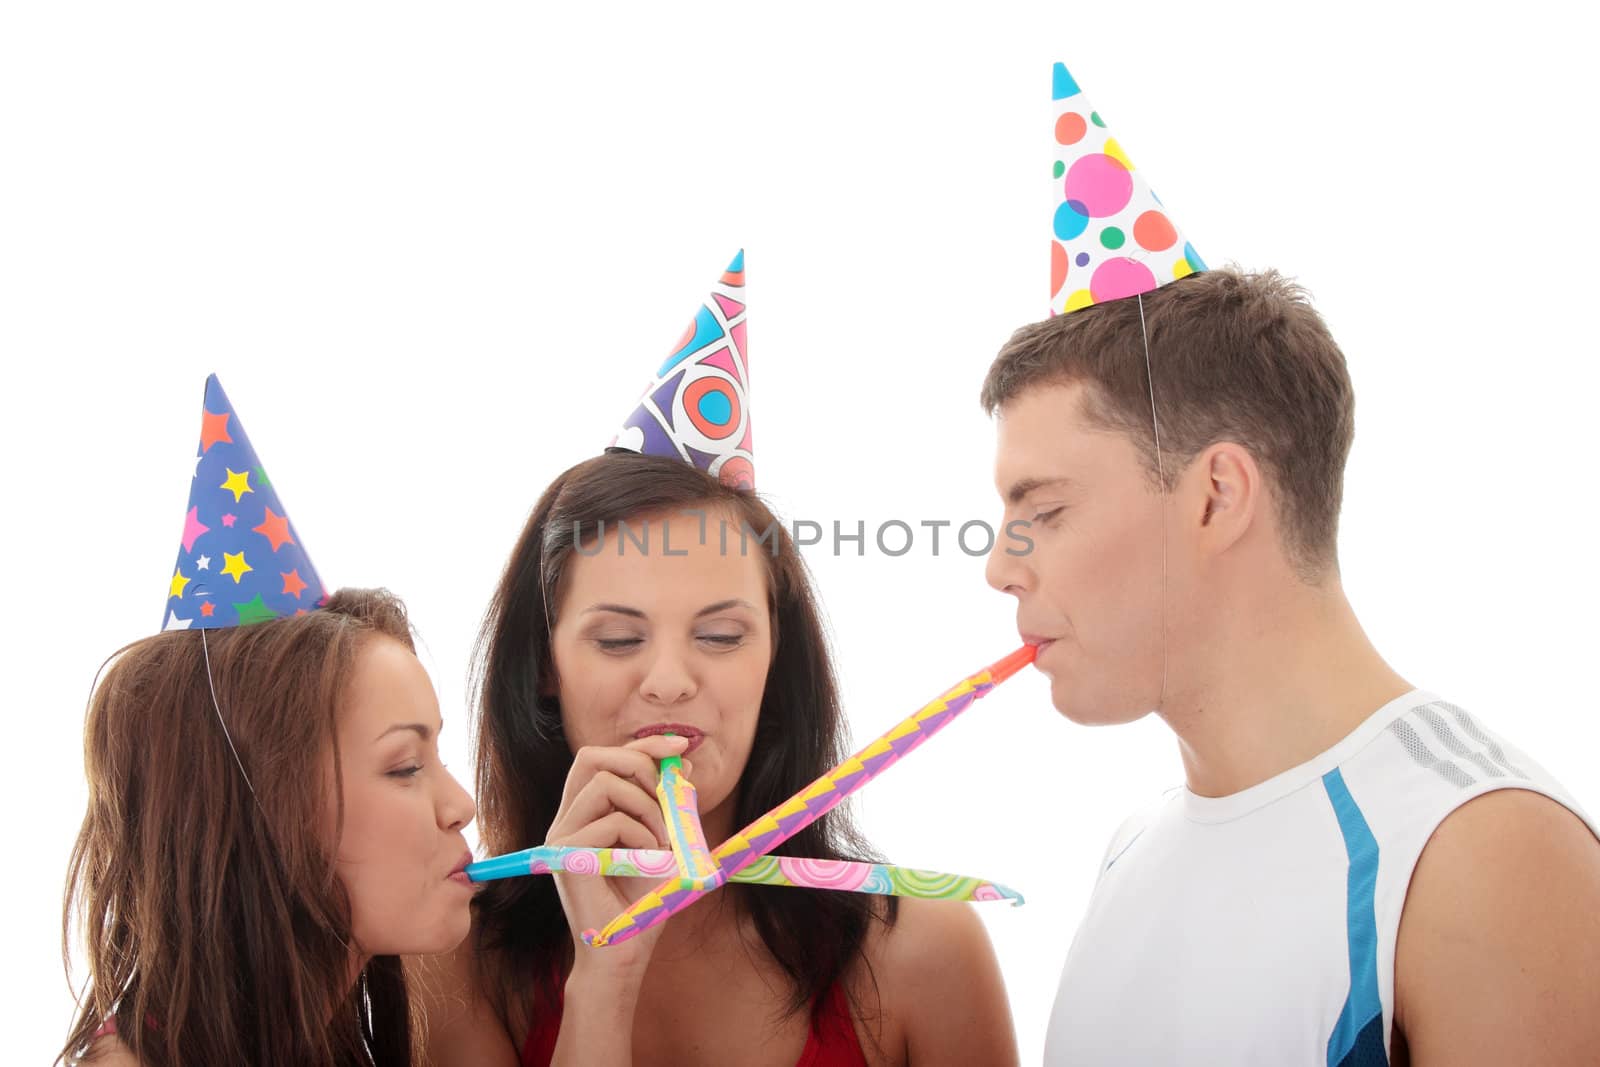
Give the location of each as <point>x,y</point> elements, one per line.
<point>1501,850</point>
<point>1431,756</point>
<point>1502,922</point>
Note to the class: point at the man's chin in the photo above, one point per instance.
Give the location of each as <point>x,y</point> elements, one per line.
<point>1071,703</point>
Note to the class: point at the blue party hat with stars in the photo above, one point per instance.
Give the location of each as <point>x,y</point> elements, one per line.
<point>240,561</point>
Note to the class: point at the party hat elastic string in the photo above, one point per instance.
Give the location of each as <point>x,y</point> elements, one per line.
<point>1161,482</point>
<point>216,706</point>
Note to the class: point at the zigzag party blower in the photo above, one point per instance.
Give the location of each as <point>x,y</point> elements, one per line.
<point>696,409</point>
<point>743,858</point>
<point>814,801</point>
<point>698,869</point>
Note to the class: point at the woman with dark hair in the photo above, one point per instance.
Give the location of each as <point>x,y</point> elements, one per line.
<point>269,826</point>
<point>645,597</point>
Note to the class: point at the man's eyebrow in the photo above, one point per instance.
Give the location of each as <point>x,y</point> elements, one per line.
<point>1020,490</point>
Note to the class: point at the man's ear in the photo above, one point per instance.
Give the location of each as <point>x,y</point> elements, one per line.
<point>1231,487</point>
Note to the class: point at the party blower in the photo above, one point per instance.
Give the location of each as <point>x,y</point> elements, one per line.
<point>744,857</point>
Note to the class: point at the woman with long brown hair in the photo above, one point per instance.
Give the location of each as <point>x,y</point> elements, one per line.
<point>269,825</point>
<point>260,920</point>
<point>591,649</point>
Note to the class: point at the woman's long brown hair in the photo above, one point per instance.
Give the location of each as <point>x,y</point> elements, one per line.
<point>523,756</point>
<point>215,928</point>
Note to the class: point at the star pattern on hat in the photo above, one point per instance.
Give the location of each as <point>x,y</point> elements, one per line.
<point>235,514</point>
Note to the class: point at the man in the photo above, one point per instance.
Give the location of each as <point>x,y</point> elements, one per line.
<point>1355,872</point>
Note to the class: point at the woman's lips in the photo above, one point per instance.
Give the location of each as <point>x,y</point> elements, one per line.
<point>692,734</point>
<point>458,875</point>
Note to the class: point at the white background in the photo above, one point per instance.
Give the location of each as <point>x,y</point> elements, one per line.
<point>434,254</point>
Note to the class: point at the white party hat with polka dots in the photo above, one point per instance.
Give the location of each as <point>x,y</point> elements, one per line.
<point>1111,237</point>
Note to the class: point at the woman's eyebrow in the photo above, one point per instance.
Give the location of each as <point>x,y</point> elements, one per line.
<point>422,731</point>
<point>619,609</point>
<point>722,605</point>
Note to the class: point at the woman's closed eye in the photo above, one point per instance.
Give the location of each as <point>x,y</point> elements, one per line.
<point>722,640</point>
<point>618,644</point>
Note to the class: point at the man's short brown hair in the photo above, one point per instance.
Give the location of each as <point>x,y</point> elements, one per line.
<point>1233,357</point>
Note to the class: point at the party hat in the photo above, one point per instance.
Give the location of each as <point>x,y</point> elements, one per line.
<point>697,408</point>
<point>240,561</point>
<point>1112,237</point>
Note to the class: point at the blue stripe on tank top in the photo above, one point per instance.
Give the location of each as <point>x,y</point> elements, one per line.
<point>1357,1039</point>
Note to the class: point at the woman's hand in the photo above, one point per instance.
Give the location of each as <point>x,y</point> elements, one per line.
<point>609,801</point>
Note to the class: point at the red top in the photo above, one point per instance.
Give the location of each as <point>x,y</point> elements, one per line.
<point>831,1043</point>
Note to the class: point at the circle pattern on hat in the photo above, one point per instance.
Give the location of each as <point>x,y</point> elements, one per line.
<point>697,408</point>
<point>1111,236</point>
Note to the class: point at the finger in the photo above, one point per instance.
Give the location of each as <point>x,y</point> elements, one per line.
<point>639,760</point>
<point>616,830</point>
<point>659,746</point>
<point>605,793</point>
<point>621,762</point>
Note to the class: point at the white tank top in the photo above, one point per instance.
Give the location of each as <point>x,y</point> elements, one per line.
<point>1259,928</point>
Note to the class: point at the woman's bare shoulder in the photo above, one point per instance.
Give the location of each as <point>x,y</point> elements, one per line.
<point>109,1051</point>
<point>939,985</point>
<point>462,1022</point>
